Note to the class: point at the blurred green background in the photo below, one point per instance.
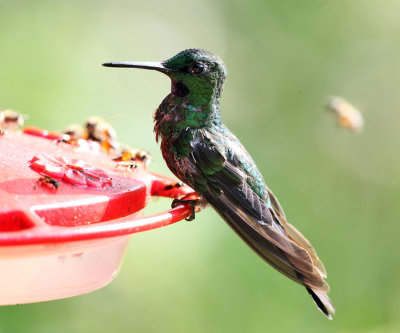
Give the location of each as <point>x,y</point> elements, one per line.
<point>284,58</point>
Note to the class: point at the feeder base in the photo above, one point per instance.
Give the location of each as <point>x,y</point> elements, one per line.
<point>56,271</point>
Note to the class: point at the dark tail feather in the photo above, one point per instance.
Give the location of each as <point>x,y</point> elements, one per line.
<point>323,302</point>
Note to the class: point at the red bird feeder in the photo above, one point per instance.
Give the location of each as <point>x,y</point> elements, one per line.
<point>66,214</point>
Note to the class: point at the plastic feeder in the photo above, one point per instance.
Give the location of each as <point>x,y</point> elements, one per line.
<point>66,215</point>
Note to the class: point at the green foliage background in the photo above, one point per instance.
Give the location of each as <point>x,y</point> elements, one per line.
<point>284,59</point>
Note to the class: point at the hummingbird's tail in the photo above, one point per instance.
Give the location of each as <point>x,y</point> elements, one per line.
<point>272,243</point>
<point>323,302</point>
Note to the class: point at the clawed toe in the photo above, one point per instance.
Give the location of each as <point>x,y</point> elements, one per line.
<point>191,203</point>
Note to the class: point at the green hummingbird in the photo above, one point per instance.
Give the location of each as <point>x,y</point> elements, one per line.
<point>201,151</point>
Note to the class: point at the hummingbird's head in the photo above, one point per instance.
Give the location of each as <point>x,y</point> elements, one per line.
<point>196,71</point>
<point>197,74</point>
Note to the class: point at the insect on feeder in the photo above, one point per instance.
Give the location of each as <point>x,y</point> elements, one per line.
<point>67,213</point>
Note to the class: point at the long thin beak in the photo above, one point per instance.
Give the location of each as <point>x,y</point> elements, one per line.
<point>157,66</point>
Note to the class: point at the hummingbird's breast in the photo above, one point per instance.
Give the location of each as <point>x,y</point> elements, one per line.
<point>179,166</point>
<point>172,128</point>
<point>166,118</point>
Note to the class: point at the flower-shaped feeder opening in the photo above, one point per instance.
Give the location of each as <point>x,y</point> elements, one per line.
<point>66,214</point>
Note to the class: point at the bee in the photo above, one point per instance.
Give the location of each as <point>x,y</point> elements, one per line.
<point>72,134</point>
<point>11,119</point>
<point>97,129</point>
<point>75,130</point>
<point>348,116</point>
<point>138,155</point>
<point>48,180</point>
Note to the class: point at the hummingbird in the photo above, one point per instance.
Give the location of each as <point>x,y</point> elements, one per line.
<point>204,154</point>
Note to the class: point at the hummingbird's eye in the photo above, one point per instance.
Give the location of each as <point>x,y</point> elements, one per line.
<point>197,68</point>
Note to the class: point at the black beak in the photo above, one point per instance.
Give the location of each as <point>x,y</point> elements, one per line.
<point>157,66</point>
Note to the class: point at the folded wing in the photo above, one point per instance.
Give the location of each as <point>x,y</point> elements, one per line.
<point>261,224</point>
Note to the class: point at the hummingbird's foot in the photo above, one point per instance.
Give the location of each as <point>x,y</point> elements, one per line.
<point>195,204</point>
<point>191,203</point>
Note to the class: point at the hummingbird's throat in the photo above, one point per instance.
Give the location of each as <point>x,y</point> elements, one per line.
<point>179,89</point>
